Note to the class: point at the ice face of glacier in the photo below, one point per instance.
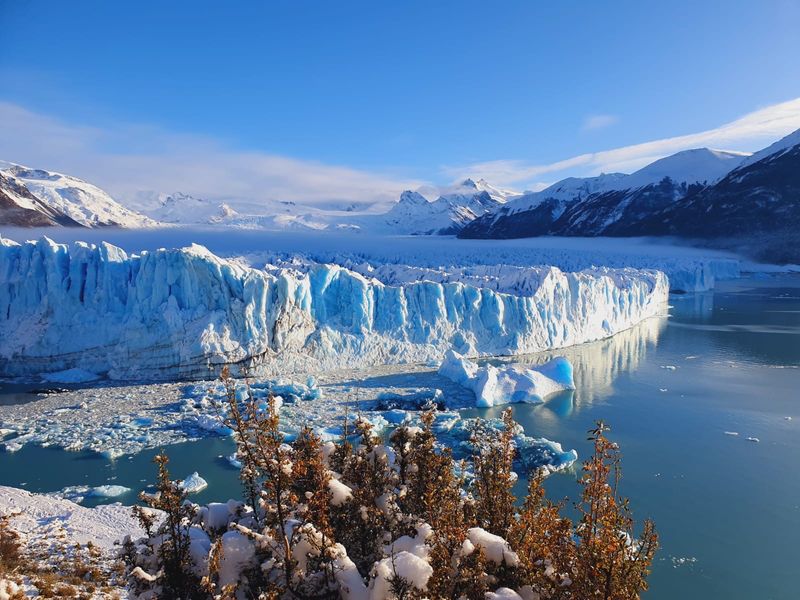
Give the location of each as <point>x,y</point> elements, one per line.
<point>183,313</point>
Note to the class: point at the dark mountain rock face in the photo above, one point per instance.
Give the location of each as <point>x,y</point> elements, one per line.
<point>757,204</point>
<point>604,213</point>
<point>612,212</point>
<point>506,224</point>
<point>762,197</point>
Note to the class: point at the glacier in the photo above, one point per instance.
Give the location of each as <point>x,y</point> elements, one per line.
<point>183,313</point>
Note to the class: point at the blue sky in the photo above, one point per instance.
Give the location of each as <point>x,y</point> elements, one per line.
<point>382,95</point>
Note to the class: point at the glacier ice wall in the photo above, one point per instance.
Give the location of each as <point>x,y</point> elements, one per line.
<point>184,312</point>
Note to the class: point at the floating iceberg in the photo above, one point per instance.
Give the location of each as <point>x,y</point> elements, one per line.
<point>511,383</point>
<point>79,493</point>
<point>184,313</point>
<point>193,483</point>
<point>109,491</point>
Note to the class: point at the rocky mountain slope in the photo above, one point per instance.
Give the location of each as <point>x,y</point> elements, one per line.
<point>608,203</point>
<point>38,198</point>
<point>762,195</point>
<point>20,208</point>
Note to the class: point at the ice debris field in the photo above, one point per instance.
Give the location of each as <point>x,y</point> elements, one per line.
<point>160,414</point>
<point>87,310</point>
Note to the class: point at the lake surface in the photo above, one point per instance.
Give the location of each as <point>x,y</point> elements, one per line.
<point>727,509</point>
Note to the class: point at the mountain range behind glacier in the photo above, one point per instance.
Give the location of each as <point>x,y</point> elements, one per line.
<point>697,193</point>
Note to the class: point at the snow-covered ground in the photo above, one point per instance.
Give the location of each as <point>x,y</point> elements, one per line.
<point>41,516</point>
<point>178,313</point>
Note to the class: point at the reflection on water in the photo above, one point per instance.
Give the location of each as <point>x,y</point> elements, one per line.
<point>698,307</point>
<point>597,364</point>
<point>726,508</point>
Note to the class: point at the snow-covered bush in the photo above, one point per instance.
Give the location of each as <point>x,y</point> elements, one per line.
<point>368,519</point>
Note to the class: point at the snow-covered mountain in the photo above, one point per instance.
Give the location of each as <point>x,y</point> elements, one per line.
<point>761,197</point>
<point>457,206</point>
<point>65,200</point>
<point>699,193</point>
<point>179,208</point>
<point>598,205</point>
<point>774,151</point>
<point>20,208</point>
<point>750,202</point>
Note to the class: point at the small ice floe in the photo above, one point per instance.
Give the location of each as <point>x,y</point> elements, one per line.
<point>79,493</point>
<point>784,418</point>
<point>73,493</point>
<point>662,389</point>
<point>690,357</point>
<point>753,439</point>
<point>416,399</point>
<point>193,483</point>
<point>680,561</point>
<point>234,461</point>
<point>669,367</point>
<point>108,491</point>
<point>112,453</point>
<point>509,383</point>
<point>731,432</point>
<point>532,454</point>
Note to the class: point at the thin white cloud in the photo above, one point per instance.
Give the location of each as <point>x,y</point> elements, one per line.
<point>751,132</point>
<point>595,122</point>
<point>126,159</point>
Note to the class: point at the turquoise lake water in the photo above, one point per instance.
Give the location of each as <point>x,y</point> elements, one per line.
<point>727,509</point>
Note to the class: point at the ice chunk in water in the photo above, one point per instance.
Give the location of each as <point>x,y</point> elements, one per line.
<point>509,384</point>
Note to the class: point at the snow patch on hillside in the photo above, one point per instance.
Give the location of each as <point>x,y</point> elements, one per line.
<point>773,150</point>
<point>39,516</point>
<point>83,202</point>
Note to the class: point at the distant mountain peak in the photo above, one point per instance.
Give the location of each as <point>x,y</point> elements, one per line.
<point>782,145</point>
<point>696,165</point>
<point>411,198</point>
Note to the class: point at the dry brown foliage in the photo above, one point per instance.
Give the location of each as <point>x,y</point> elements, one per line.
<point>399,487</point>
